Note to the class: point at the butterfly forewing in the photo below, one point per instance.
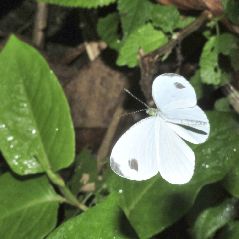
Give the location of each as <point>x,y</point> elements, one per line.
<point>172,91</point>
<point>134,154</point>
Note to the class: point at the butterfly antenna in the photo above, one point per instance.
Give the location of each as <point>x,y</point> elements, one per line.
<point>127,91</point>
<point>130,113</point>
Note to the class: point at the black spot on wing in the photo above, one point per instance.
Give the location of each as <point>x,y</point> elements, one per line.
<point>179,85</point>
<point>116,167</point>
<point>133,164</point>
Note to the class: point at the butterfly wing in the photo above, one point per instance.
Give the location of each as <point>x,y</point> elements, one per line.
<point>176,159</point>
<point>176,100</point>
<point>189,123</point>
<point>134,154</point>
<point>172,91</point>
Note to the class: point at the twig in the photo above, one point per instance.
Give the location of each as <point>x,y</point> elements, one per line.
<point>232,95</point>
<point>179,57</point>
<point>94,49</point>
<point>40,24</point>
<point>106,142</point>
<point>72,54</point>
<point>148,61</point>
<point>167,48</point>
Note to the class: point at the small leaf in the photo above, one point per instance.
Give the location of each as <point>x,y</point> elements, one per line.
<point>211,73</point>
<point>133,14</point>
<point>231,231</point>
<point>36,131</point>
<point>197,84</point>
<point>158,204</point>
<point>223,105</point>
<point>109,34</point>
<point>85,167</point>
<point>227,43</point>
<point>235,60</point>
<point>140,39</point>
<point>209,68</point>
<point>80,3</point>
<point>212,219</point>
<point>105,220</point>
<point>231,8</point>
<point>168,18</point>
<point>28,208</point>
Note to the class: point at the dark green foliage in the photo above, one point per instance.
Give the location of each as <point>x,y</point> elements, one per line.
<point>37,138</point>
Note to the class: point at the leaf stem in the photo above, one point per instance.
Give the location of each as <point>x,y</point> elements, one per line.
<point>71,199</point>
<point>65,191</point>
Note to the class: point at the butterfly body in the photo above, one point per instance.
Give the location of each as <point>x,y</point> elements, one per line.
<point>156,143</point>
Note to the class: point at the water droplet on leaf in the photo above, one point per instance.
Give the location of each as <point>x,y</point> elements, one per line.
<point>10,138</point>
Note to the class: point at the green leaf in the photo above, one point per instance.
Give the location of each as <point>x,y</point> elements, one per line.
<point>158,204</point>
<point>85,167</point>
<point>235,60</point>
<point>225,44</point>
<point>105,220</point>
<point>212,219</point>
<point>231,181</point>
<point>168,18</point>
<point>133,14</point>
<point>223,105</point>
<point>231,9</point>
<point>231,231</point>
<point>109,34</point>
<point>28,208</point>
<point>140,39</point>
<point>184,22</point>
<point>209,68</point>
<point>36,131</point>
<point>80,3</point>
<point>197,84</point>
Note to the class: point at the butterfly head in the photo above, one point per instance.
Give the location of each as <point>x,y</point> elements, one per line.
<point>152,111</point>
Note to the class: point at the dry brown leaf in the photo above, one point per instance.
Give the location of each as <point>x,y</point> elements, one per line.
<point>94,93</point>
<point>214,6</point>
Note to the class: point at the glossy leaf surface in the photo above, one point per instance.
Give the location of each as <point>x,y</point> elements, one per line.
<point>36,131</point>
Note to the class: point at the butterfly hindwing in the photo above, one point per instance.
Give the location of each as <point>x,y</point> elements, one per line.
<point>190,124</point>
<point>176,158</point>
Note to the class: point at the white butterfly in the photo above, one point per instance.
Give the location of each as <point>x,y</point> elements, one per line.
<point>155,144</point>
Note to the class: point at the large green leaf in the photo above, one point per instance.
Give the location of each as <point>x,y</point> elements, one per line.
<point>105,220</point>
<point>134,14</point>
<point>212,219</point>
<point>28,207</point>
<point>36,132</point>
<point>79,3</point>
<point>140,39</point>
<point>158,204</point>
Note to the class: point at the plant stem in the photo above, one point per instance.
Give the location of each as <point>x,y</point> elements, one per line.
<point>65,191</point>
<point>71,199</point>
